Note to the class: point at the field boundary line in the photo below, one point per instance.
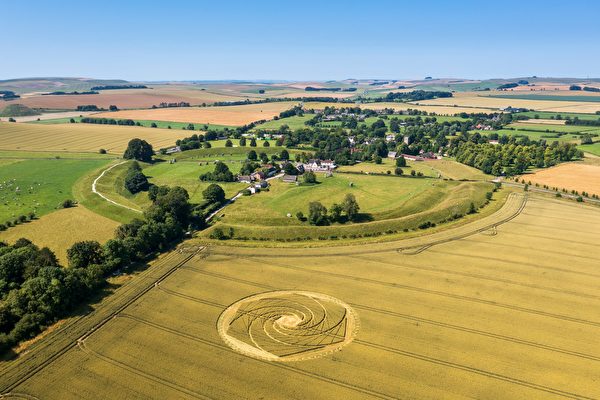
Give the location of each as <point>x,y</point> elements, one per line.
<point>94,190</point>
<point>83,347</point>
<point>41,364</point>
<point>474,370</point>
<point>479,276</point>
<point>288,367</point>
<point>435,292</point>
<point>387,312</point>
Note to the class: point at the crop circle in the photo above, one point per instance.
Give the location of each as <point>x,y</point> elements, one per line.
<point>288,325</point>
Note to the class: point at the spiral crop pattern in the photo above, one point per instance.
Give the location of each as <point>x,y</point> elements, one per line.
<point>288,325</point>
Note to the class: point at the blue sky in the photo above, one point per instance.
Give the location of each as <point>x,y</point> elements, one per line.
<point>300,40</point>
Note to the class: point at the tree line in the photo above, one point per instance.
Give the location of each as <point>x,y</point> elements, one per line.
<point>118,87</point>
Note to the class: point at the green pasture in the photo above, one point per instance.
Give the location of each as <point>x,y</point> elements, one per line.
<point>39,185</point>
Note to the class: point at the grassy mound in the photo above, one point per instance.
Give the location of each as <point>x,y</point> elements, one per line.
<point>17,110</point>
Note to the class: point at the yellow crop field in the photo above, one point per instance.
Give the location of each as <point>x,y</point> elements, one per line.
<point>60,229</point>
<point>434,108</point>
<point>81,137</point>
<point>506,307</point>
<point>225,115</point>
<point>570,176</point>
<point>475,99</point>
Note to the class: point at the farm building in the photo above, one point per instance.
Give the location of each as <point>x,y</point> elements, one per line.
<point>392,154</point>
<point>290,178</point>
<point>245,179</point>
<point>172,150</point>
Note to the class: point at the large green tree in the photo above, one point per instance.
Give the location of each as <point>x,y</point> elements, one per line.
<point>138,149</point>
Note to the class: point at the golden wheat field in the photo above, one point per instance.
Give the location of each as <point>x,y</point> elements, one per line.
<point>570,176</point>
<point>224,115</point>
<point>81,137</point>
<point>504,308</point>
<point>474,99</point>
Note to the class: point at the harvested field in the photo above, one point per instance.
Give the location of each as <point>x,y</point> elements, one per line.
<point>226,115</point>
<point>53,115</point>
<point>570,176</point>
<point>60,229</point>
<point>129,98</point>
<point>81,137</point>
<point>508,311</point>
<point>473,99</point>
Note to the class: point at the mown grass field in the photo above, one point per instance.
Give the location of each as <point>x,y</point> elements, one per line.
<point>186,175</point>
<point>547,115</point>
<point>554,128</point>
<point>39,185</point>
<point>388,165</point>
<point>593,148</point>
<point>59,230</point>
<point>81,137</point>
<point>508,311</point>
<point>538,135</point>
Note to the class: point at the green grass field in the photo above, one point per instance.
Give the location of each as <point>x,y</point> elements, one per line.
<point>388,204</point>
<point>186,175</point>
<point>224,153</point>
<point>554,128</point>
<point>389,165</point>
<point>295,122</point>
<point>538,135</point>
<point>39,185</point>
<point>591,148</point>
<point>548,115</point>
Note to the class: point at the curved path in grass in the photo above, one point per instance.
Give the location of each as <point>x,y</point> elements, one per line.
<point>103,196</point>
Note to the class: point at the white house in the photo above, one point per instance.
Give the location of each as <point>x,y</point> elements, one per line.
<point>319,165</point>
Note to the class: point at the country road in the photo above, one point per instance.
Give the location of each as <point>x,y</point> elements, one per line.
<point>103,196</point>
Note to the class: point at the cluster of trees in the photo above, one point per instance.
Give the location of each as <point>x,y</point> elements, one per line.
<point>88,107</point>
<point>196,141</point>
<point>8,95</point>
<point>415,95</point>
<point>135,180</point>
<point>318,214</point>
<point>512,156</point>
<point>109,121</point>
<point>138,149</point>
<point>582,122</point>
<point>59,93</point>
<point>35,290</point>
<point>117,87</point>
<point>221,173</point>
<point>296,110</point>
<point>16,221</point>
<point>586,88</point>
<point>332,89</point>
<point>508,86</point>
<point>168,105</point>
